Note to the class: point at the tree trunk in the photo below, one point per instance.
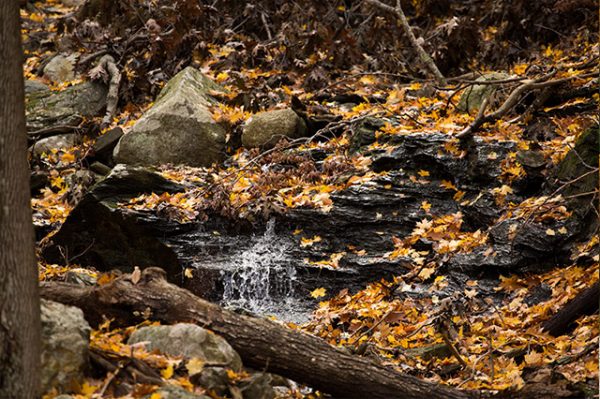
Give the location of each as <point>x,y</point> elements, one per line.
<point>262,344</point>
<point>19,299</point>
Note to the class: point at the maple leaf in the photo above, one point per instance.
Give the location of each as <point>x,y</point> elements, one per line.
<point>318,293</point>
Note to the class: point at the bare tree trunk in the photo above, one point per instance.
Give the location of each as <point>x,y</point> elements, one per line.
<point>261,343</point>
<point>19,297</point>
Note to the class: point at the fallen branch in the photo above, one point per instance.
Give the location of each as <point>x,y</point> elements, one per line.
<point>423,56</point>
<point>586,302</point>
<point>108,71</point>
<point>514,97</point>
<point>262,344</point>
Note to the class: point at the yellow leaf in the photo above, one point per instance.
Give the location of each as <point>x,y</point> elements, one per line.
<point>194,366</point>
<point>189,273</point>
<point>307,242</point>
<point>426,206</point>
<point>550,232</point>
<point>318,293</point>
<point>87,389</point>
<point>425,273</point>
<point>562,230</point>
<point>156,395</point>
<point>423,173</point>
<point>167,372</point>
<point>534,359</point>
<point>67,157</point>
<point>448,185</point>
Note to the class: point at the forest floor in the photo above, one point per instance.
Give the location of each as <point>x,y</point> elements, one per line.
<point>487,344</point>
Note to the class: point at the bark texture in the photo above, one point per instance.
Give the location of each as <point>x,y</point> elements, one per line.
<point>19,299</point>
<point>262,344</point>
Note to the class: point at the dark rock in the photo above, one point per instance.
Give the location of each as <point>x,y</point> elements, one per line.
<point>258,386</point>
<point>99,234</point>
<point>540,293</point>
<point>37,181</point>
<point>212,379</point>
<point>102,150</point>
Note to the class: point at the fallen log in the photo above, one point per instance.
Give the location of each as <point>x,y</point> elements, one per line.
<point>262,344</point>
<point>586,302</point>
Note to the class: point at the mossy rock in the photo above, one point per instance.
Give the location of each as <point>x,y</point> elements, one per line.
<point>473,96</point>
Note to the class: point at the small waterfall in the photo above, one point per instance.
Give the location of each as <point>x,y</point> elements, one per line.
<point>261,278</point>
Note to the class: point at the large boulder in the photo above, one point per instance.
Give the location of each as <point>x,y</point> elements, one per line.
<point>179,128</point>
<point>265,129</point>
<point>69,107</point>
<point>65,341</point>
<point>473,96</point>
<point>188,340</point>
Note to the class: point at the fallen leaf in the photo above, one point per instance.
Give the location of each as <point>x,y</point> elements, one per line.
<point>318,293</point>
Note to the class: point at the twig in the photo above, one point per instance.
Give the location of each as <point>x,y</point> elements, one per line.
<point>374,326</point>
<point>423,56</point>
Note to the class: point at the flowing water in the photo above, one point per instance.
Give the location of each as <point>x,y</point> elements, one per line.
<point>262,278</point>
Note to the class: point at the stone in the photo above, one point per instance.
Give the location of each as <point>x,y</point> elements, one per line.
<point>179,128</point>
<point>65,342</point>
<point>46,109</point>
<point>188,340</point>
<point>212,379</point>
<point>58,142</point>
<point>60,68</point>
<point>175,392</point>
<point>473,96</point>
<point>258,386</point>
<point>34,86</point>
<point>105,237</point>
<point>103,148</point>
<point>265,129</point>
<point>81,276</point>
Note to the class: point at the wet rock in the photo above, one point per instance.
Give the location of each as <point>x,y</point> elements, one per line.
<point>58,142</point>
<point>100,234</point>
<point>46,109</point>
<point>65,341</point>
<point>179,128</point>
<point>473,96</point>
<point>188,340</point>
<point>265,129</point>
<point>61,68</point>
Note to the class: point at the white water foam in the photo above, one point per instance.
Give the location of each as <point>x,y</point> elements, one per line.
<point>261,279</point>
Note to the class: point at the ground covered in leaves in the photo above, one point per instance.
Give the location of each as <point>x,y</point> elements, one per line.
<point>484,337</point>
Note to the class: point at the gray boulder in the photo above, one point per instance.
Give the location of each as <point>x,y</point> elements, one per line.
<point>179,128</point>
<point>188,340</point>
<point>61,68</point>
<point>265,129</point>
<point>473,96</point>
<point>65,341</point>
<point>46,108</point>
<point>58,142</point>
<point>34,86</point>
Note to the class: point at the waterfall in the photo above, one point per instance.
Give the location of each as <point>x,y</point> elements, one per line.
<point>261,278</point>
